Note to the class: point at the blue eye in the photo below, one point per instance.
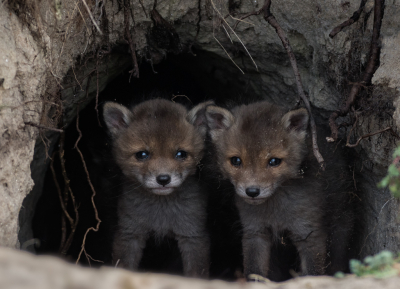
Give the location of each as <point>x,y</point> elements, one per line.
<point>181,155</point>
<point>142,155</point>
<point>274,162</point>
<point>236,161</point>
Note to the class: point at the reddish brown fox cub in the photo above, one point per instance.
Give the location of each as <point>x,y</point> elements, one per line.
<point>158,145</point>
<point>266,155</point>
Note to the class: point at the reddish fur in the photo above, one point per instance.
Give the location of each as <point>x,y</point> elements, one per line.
<point>293,196</point>
<point>161,128</point>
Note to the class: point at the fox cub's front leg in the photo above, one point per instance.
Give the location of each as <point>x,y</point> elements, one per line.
<point>256,253</point>
<point>195,255</point>
<point>128,250</point>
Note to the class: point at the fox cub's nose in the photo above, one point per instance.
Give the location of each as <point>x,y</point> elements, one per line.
<point>252,192</point>
<point>163,179</point>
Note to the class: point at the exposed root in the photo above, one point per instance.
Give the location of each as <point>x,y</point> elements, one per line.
<point>45,142</point>
<point>220,44</point>
<point>246,16</point>
<point>180,95</point>
<point>128,36</point>
<point>354,18</point>
<point>64,199</point>
<point>227,52</point>
<point>30,242</point>
<point>91,17</point>
<point>67,190</point>
<point>42,127</point>
<point>88,31</point>
<point>372,65</point>
<point>240,20</point>
<point>144,10</point>
<point>73,71</point>
<point>91,258</point>
<point>233,31</point>
<point>87,86</point>
<point>377,222</point>
<point>197,27</point>
<point>67,34</point>
<point>348,144</point>
<point>285,41</point>
<point>83,78</point>
<point>95,229</point>
<point>97,95</point>
<point>26,102</point>
<point>63,225</point>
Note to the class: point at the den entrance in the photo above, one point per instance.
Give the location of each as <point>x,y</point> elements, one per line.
<point>186,79</point>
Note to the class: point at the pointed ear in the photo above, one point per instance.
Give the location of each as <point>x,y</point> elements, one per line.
<point>197,116</point>
<point>218,120</point>
<point>296,120</point>
<point>116,117</point>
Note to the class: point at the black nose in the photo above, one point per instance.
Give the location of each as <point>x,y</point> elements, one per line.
<point>163,179</point>
<point>252,192</point>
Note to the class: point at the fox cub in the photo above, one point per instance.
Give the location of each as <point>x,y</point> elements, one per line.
<point>265,153</point>
<point>158,145</point>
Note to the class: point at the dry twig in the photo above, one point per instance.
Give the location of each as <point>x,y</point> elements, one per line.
<point>285,41</point>
<point>354,18</point>
<point>233,31</point>
<point>372,65</point>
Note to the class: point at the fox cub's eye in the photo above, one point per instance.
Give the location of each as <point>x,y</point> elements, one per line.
<point>236,161</point>
<point>181,155</point>
<point>142,155</point>
<point>274,162</point>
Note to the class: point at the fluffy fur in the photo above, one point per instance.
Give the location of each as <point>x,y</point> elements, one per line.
<point>266,154</point>
<point>158,145</point>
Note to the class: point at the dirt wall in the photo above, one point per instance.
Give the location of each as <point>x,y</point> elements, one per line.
<point>49,53</point>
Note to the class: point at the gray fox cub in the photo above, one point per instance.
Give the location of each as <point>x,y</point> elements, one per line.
<point>265,153</point>
<point>158,145</point>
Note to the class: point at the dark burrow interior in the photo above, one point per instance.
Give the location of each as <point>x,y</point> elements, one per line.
<point>180,79</point>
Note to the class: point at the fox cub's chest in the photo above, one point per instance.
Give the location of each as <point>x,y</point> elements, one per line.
<point>180,215</point>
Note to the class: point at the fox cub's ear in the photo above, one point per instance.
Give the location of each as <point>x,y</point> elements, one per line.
<point>296,121</point>
<point>218,120</point>
<point>197,116</point>
<point>116,117</point>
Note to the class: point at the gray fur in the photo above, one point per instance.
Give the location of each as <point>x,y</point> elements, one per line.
<point>146,207</point>
<point>181,215</point>
<point>295,197</point>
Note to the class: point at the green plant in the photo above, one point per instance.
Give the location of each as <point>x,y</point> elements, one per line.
<point>392,179</point>
<point>382,265</point>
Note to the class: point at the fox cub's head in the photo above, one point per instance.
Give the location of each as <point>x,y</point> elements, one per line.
<point>158,143</point>
<point>258,146</point>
